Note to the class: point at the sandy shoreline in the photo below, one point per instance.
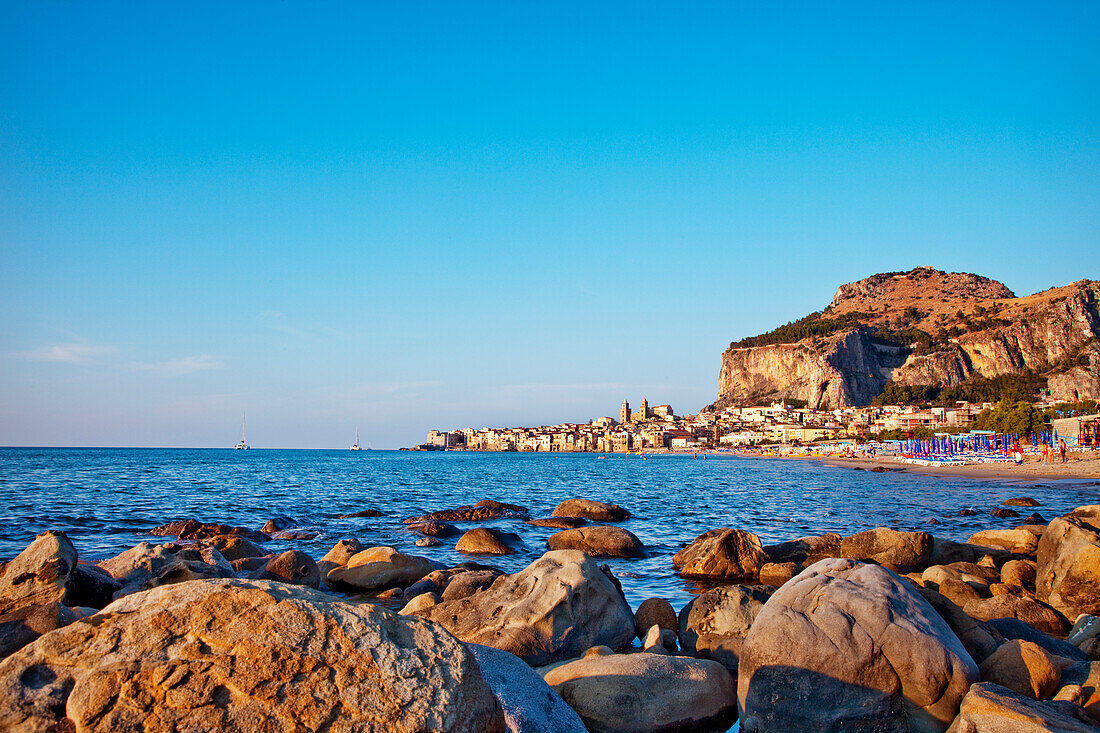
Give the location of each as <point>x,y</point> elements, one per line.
<point>1075,469</point>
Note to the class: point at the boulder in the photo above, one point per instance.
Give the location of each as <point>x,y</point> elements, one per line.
<point>426,542</point>
<point>639,693</point>
<point>559,522</point>
<point>900,551</point>
<point>378,567</point>
<point>654,612</point>
<point>419,603</point>
<point>805,550</point>
<point>777,573</point>
<point>339,555</point>
<point>39,574</point>
<point>722,554</point>
<point>1023,667</point>
<point>599,541</point>
<point>468,582</point>
<point>248,565</point>
<point>946,551</point>
<point>978,637</point>
<point>1087,676</point>
<point>530,705</point>
<point>91,585</point>
<point>22,626</point>
<point>1036,614</point>
<point>294,534</point>
<point>553,609</point>
<point>485,509</point>
<point>847,645</point>
<point>1019,573</point>
<point>1016,541</point>
<point>438,581</point>
<point>1012,628</point>
<point>433,529</point>
<point>659,641</point>
<point>714,625</point>
<point>277,524</point>
<point>146,566</point>
<point>363,514</point>
<point>991,708</point>
<point>246,655</point>
<point>292,566</point>
<point>597,511</point>
<point>192,529</point>
<point>1068,574</point>
<point>1000,513</point>
<point>488,541</point>
<point>1020,501</point>
<point>233,547</point>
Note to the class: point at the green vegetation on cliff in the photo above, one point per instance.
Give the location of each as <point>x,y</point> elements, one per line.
<point>1011,387</point>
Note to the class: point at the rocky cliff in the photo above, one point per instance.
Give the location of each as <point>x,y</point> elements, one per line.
<point>922,327</point>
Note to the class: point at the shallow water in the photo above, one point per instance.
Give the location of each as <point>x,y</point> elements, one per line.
<point>106,499</point>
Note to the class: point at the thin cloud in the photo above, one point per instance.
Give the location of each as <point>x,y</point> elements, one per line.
<point>176,367</point>
<point>67,353</point>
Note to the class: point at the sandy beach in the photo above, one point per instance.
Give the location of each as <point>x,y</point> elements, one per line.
<point>1076,467</point>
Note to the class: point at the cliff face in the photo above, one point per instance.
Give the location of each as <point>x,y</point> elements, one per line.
<point>972,326</point>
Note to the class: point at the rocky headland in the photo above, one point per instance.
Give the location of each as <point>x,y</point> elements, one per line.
<point>883,630</point>
<point>922,327</point>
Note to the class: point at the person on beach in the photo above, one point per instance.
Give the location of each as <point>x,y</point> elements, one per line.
<point>1044,453</point>
<point>1062,449</point>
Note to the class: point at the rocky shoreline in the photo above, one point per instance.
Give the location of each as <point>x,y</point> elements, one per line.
<point>883,630</point>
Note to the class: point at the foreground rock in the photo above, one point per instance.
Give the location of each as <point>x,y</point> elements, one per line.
<point>21,627</point>
<point>554,609</point>
<point>654,612</point>
<point>146,566</point>
<point>846,645</point>
<point>642,693</point>
<point>597,511</point>
<point>979,639</point>
<point>990,708</point>
<point>488,541</point>
<point>902,552</point>
<point>39,574</point>
<point>1068,575</point>
<point>722,554</point>
<point>376,568</point>
<point>599,541</point>
<point>1023,667</point>
<point>714,625</point>
<point>530,705</point>
<point>245,655</point>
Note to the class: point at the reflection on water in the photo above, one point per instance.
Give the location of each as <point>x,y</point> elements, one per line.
<point>105,498</point>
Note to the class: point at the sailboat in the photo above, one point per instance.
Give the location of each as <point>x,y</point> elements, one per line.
<point>355,446</point>
<point>243,445</point>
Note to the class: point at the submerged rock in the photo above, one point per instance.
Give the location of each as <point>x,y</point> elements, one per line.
<point>599,541</point>
<point>597,511</point>
<point>850,645</point>
<point>246,655</point>
<point>554,609</point>
<point>433,529</point>
<point>485,509</point>
<point>363,514</point>
<point>558,522</point>
<point>722,554</point>
<point>639,693</point>
<point>277,524</point>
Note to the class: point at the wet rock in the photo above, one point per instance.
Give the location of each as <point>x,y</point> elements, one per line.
<point>850,646</point>
<point>597,511</point>
<point>805,550</point>
<point>433,529</point>
<point>1033,613</point>
<point>722,554</point>
<point>92,586</point>
<point>233,547</point>
<point>1068,573</point>
<point>1023,667</point>
<point>654,612</point>
<point>365,513</point>
<point>192,529</point>
<point>714,625</point>
<point>777,573</point>
<point>426,542</point>
<point>979,638</point>
<point>1035,518</point>
<point>146,566</point>
<point>1004,513</point>
<point>39,574</point>
<point>492,504</point>
<point>1016,541</point>
<point>22,626</point>
<point>246,655</point>
<point>339,555</point>
<point>968,512</point>
<point>637,693</point>
<point>488,541</point>
<point>900,551</point>
<point>277,524</point>
<point>293,566</point>
<point>486,509</point>
<point>1021,501</point>
<point>376,568</point>
<point>991,708</point>
<point>599,541</point>
<point>559,522</point>
<point>1087,676</point>
<point>1012,628</point>
<point>294,534</point>
<point>530,705</point>
<point>554,609</point>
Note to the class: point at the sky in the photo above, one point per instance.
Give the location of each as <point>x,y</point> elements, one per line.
<point>393,217</point>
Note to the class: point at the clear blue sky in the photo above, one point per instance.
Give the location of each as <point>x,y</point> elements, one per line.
<point>400,216</point>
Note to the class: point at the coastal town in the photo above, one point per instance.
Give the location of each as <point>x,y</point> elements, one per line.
<point>659,428</point>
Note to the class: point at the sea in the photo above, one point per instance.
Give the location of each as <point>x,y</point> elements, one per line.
<point>107,499</point>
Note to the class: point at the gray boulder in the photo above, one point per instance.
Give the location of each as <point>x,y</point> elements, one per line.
<point>714,624</point>
<point>530,705</point>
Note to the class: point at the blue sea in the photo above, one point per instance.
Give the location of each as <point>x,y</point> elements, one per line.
<point>106,500</point>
